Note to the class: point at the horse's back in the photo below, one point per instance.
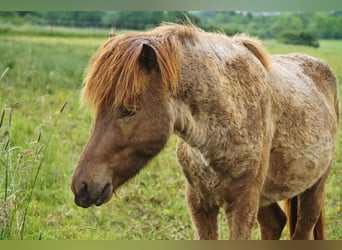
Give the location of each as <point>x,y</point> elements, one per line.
<point>319,73</point>
<point>305,83</point>
<point>305,113</point>
<point>303,71</point>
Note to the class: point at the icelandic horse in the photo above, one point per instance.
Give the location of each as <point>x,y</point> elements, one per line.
<point>254,128</point>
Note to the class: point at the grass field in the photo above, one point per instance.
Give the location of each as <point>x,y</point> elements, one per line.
<point>41,139</point>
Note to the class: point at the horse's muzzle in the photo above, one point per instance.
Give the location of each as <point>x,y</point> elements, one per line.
<point>86,196</point>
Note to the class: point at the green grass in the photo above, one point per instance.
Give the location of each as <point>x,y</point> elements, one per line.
<point>42,73</point>
<point>51,31</point>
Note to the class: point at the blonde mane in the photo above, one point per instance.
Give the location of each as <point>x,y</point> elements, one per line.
<point>115,77</point>
<point>256,47</point>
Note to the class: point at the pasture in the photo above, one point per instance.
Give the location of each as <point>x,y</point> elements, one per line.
<point>42,132</point>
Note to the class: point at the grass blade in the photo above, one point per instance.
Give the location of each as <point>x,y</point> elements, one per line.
<point>4,73</point>
<point>2,117</point>
<point>42,160</point>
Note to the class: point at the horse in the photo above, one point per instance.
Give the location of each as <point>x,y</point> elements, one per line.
<point>254,129</point>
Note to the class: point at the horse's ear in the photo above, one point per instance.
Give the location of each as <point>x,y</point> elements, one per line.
<point>148,57</point>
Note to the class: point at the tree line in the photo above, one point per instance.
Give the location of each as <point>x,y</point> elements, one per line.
<point>323,25</point>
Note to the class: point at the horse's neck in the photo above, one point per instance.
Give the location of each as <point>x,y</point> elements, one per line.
<point>197,129</point>
<point>187,126</point>
<point>219,81</point>
<point>200,107</point>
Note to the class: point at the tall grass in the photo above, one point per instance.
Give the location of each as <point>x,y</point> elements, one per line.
<point>21,167</point>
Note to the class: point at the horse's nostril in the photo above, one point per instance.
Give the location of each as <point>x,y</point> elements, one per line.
<point>83,190</point>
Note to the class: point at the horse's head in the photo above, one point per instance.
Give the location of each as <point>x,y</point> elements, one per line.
<point>130,127</point>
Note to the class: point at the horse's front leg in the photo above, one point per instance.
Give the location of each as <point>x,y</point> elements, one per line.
<point>241,212</point>
<point>203,215</point>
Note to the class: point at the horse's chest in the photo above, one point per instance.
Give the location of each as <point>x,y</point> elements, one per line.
<point>197,169</point>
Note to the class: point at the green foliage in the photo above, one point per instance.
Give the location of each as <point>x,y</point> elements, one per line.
<point>323,25</point>
<point>286,22</point>
<point>73,18</point>
<point>327,25</point>
<point>40,73</point>
<point>298,37</point>
<point>137,20</point>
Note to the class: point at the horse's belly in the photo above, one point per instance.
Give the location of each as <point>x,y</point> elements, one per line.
<point>287,180</point>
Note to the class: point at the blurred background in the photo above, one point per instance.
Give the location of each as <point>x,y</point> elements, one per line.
<point>265,25</point>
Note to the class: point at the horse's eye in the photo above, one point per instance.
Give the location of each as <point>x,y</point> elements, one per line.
<point>127,111</point>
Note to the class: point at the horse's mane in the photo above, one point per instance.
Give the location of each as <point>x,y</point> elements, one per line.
<point>255,46</point>
<point>115,77</point>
